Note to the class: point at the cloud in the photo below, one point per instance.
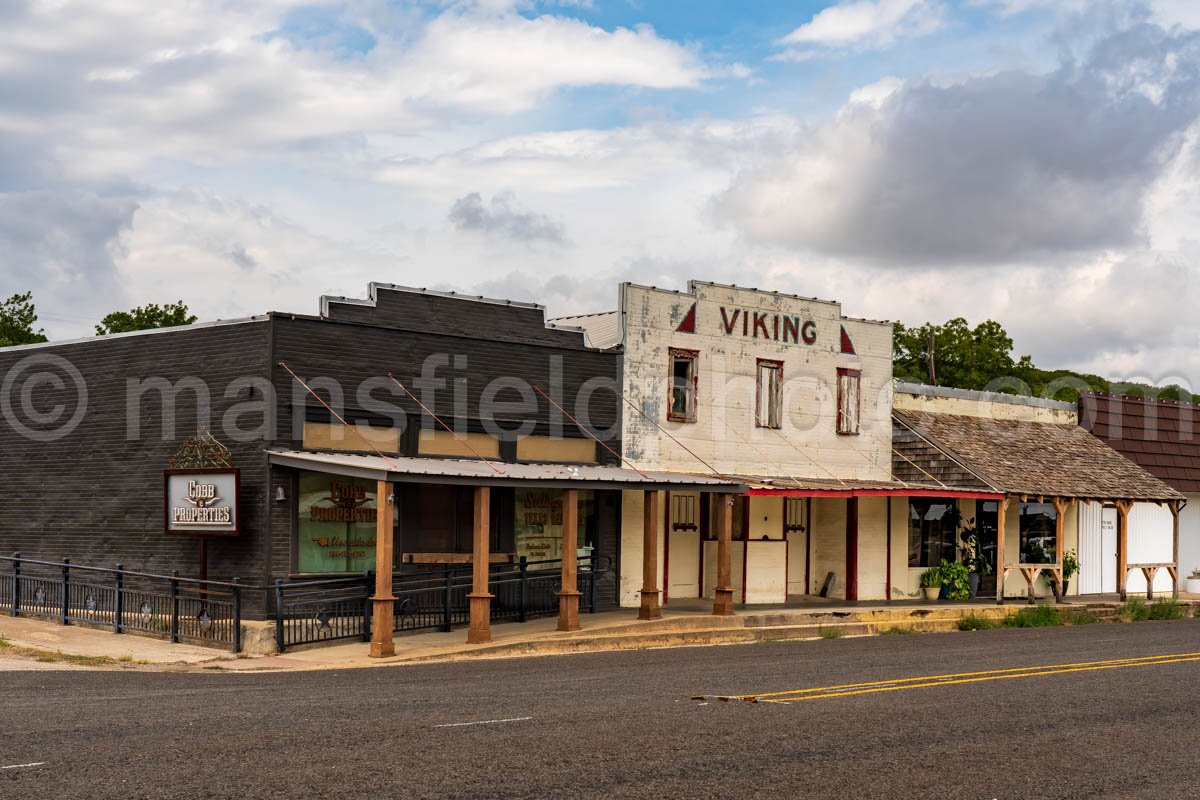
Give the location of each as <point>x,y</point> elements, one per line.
<point>1001,167</point>
<point>863,24</point>
<point>505,218</point>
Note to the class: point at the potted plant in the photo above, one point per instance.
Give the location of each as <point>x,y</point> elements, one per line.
<point>931,583</point>
<point>1193,582</point>
<point>1070,566</point>
<point>977,566</point>
<point>955,580</point>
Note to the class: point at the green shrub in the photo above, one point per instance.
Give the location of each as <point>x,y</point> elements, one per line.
<point>1134,610</point>
<point>931,578</point>
<point>1166,608</point>
<point>955,580</point>
<point>974,622</point>
<point>1079,618</point>
<point>1041,616</point>
<point>896,630</point>
<point>831,633</point>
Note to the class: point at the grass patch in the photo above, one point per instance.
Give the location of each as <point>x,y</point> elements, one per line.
<point>1134,610</point>
<point>833,632</point>
<point>896,630</point>
<point>6,644</point>
<point>1167,608</point>
<point>974,622</point>
<point>1197,614</point>
<point>1079,618</point>
<point>1042,616</point>
<point>125,659</point>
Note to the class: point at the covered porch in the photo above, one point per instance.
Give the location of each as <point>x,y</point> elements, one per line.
<point>551,533</point>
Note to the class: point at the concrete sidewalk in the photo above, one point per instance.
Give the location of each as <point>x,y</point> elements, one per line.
<point>682,625</point>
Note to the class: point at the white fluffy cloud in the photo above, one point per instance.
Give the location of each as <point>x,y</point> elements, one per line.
<point>863,23</point>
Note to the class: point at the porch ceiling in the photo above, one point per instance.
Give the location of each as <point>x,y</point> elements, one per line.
<point>473,472</point>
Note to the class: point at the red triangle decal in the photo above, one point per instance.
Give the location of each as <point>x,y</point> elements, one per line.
<point>688,325</point>
<point>847,345</point>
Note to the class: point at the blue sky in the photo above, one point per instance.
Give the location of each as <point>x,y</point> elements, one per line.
<point>1028,160</point>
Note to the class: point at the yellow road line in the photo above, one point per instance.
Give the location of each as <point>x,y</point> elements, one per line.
<point>1133,661</point>
<point>978,679</point>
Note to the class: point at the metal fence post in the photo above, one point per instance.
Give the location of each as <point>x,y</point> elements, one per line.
<point>66,591</point>
<point>16,602</point>
<point>279,614</point>
<point>237,617</point>
<point>368,584</point>
<point>522,589</point>
<point>118,598</point>
<point>448,599</point>
<point>175,606</point>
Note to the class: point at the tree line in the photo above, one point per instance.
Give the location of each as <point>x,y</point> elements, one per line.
<point>18,320</point>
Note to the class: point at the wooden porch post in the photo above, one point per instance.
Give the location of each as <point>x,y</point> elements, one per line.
<point>723,594</point>
<point>650,608</point>
<point>1123,508</point>
<point>383,603</point>
<point>568,598</point>
<point>1175,509</point>
<point>1060,521</point>
<point>480,630</point>
<point>1001,567</point>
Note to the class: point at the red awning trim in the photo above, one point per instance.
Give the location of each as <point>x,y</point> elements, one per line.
<point>964,494</point>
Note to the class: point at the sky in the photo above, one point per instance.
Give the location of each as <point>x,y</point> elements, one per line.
<point>1030,161</point>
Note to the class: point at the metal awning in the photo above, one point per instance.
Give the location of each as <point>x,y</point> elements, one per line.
<point>474,472</point>
<point>759,485</point>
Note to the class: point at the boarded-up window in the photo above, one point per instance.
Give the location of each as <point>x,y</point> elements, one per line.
<point>769,404</point>
<point>682,406</point>
<point>849,401</point>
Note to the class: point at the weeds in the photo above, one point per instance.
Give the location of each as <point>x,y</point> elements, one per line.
<point>897,630</point>
<point>974,622</point>
<point>1079,618</point>
<point>6,644</point>
<point>831,633</point>
<point>1166,608</point>
<point>1134,610</point>
<point>1042,616</point>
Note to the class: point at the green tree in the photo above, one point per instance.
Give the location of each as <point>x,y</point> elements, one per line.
<point>16,321</point>
<point>146,317</point>
<point>961,356</point>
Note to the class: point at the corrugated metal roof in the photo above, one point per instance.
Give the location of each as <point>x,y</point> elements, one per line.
<point>475,472</point>
<point>603,330</point>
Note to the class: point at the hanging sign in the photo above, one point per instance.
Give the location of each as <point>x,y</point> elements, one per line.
<point>202,501</point>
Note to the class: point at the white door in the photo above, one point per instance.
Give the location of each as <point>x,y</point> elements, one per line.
<point>1108,550</point>
<point>1090,558</point>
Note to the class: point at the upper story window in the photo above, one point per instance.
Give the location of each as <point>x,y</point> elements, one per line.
<point>849,401</point>
<point>769,403</point>
<point>793,514</point>
<point>684,376</point>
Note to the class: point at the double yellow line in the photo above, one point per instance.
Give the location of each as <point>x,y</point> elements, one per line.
<point>925,681</point>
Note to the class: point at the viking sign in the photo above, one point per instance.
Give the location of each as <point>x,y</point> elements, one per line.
<point>202,502</point>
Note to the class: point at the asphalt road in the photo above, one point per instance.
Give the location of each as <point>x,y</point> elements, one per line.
<point>623,724</point>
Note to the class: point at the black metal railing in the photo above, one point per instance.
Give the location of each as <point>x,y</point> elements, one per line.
<point>175,608</point>
<point>432,599</point>
<point>210,612</point>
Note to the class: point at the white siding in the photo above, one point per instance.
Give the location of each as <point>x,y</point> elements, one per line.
<point>1151,541</point>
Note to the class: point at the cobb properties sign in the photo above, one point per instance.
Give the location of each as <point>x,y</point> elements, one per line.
<point>202,502</point>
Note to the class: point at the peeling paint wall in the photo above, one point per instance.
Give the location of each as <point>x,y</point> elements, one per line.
<point>724,434</point>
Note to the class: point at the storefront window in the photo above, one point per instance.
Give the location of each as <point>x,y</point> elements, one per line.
<point>1039,533</point>
<point>932,531</point>
<point>538,523</point>
<point>336,525</point>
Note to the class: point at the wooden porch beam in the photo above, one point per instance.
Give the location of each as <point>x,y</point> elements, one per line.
<point>1123,509</point>
<point>1175,509</point>
<point>1001,568</point>
<point>568,598</point>
<point>723,594</point>
<point>383,603</point>
<point>1061,505</point>
<point>480,631</point>
<point>650,608</point>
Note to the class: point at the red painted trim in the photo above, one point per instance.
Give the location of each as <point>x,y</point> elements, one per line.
<point>745,545</point>
<point>888,581</point>
<point>808,532</point>
<point>847,345</point>
<point>965,494</point>
<point>666,546</point>
<point>688,325</point>
<point>787,546</point>
<point>705,510</point>
<point>852,549</point>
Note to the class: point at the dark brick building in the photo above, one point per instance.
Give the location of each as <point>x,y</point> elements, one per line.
<point>89,426</point>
